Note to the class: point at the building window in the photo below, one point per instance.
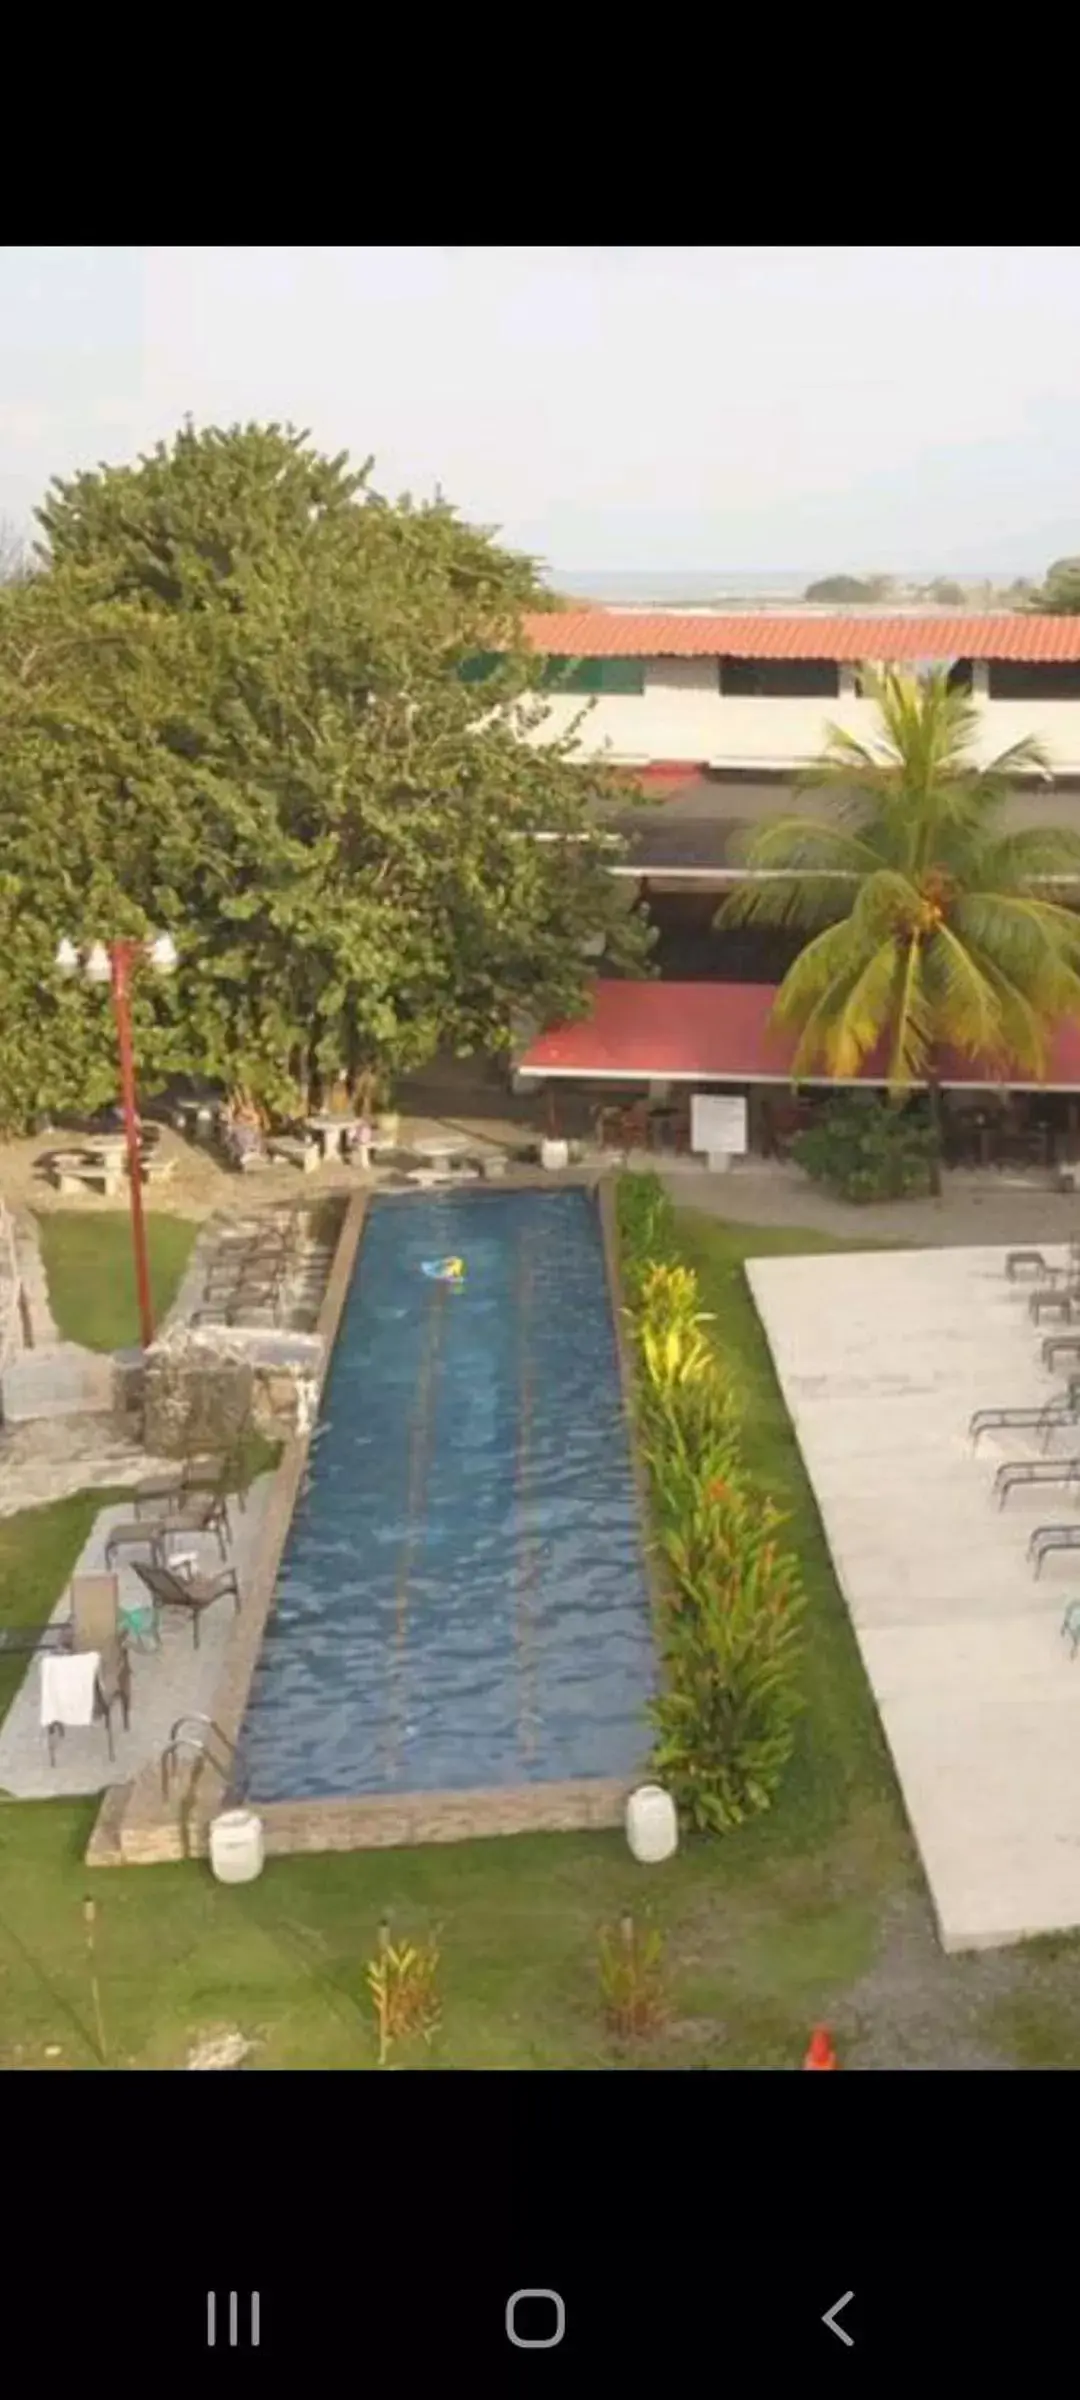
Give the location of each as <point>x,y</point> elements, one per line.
<point>961,675</point>
<point>1015,679</point>
<point>612,676</point>
<point>780,678</point>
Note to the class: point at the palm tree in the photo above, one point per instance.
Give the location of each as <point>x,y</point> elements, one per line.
<point>931,924</point>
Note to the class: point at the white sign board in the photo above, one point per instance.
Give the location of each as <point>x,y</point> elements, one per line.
<point>718,1124</point>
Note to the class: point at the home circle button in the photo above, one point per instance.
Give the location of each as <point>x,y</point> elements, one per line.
<point>535,2319</point>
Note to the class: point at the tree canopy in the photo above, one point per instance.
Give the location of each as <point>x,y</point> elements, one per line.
<point>1059,596</point>
<point>852,589</point>
<point>232,706</point>
<point>930,922</point>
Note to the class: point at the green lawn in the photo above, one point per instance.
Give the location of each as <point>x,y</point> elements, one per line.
<point>91,1272</point>
<point>816,1911</point>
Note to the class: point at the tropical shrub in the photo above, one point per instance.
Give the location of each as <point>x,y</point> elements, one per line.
<point>632,1980</point>
<point>725,1717</point>
<point>866,1148</point>
<point>403,1982</point>
<point>646,1221</point>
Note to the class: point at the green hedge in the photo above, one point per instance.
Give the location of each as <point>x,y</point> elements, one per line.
<point>732,1602</point>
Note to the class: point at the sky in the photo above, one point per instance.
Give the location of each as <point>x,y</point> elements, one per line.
<point>608,408</point>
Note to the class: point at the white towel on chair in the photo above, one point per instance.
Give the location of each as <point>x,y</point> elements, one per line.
<point>67,1688</point>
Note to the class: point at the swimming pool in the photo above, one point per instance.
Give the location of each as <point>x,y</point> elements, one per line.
<point>462,1601</point>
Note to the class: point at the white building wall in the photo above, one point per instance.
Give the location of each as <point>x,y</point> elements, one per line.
<point>682,715</point>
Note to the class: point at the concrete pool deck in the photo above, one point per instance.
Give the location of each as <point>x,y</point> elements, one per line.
<point>882,1359</point>
<point>173,1681</point>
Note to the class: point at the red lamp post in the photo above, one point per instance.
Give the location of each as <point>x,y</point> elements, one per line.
<point>114,963</point>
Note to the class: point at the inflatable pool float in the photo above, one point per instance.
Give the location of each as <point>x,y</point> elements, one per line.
<point>444,1270</point>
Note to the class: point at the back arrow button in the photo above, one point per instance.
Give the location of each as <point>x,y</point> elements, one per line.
<point>830,2318</point>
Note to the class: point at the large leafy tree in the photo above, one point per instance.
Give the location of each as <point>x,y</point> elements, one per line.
<point>233,704</point>
<point>1059,596</point>
<point>930,922</point>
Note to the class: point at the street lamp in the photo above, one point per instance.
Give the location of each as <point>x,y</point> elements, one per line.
<point>114,963</point>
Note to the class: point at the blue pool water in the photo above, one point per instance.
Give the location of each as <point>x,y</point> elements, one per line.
<point>463,1600</point>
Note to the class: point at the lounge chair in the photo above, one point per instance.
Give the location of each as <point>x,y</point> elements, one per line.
<point>191,1592</point>
<point>234,1305</point>
<point>1062,1301</point>
<point>250,1268</point>
<point>1027,1262</point>
<point>1055,1343</point>
<point>1034,1470</point>
<point>208,1515</point>
<point>1043,1421</point>
<point>1051,1537</point>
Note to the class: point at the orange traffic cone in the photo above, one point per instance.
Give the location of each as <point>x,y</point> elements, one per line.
<point>821,2052</point>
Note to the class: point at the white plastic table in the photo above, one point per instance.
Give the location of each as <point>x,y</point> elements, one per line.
<point>440,1153</point>
<point>334,1135</point>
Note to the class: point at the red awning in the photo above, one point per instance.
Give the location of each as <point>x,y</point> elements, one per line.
<point>719,1033</point>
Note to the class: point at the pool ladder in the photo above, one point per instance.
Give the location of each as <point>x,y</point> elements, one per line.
<point>181,1739</point>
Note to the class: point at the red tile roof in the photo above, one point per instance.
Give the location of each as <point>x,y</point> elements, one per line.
<point>607,633</point>
<point>716,1033</point>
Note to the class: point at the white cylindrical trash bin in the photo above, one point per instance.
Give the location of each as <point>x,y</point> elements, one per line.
<point>554,1155</point>
<point>236,1846</point>
<point>652,1827</point>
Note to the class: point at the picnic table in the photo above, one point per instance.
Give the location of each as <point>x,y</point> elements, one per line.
<point>440,1152</point>
<point>336,1136</point>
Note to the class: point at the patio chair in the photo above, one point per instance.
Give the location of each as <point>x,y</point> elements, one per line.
<point>201,1472</point>
<point>193,1593</point>
<point>208,1515</point>
<point>1026,1262</point>
<point>217,1472</point>
<point>86,1695</point>
<point>95,1611</point>
<point>634,1126</point>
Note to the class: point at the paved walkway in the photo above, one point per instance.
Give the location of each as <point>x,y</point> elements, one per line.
<point>883,1358</point>
<point>973,1210</point>
<point>165,1684</point>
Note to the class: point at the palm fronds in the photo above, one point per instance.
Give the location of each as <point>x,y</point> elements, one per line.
<point>934,924</point>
